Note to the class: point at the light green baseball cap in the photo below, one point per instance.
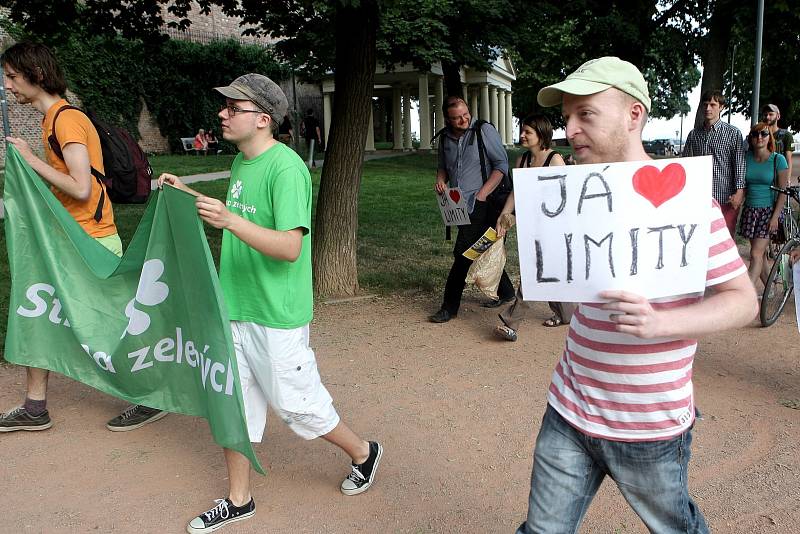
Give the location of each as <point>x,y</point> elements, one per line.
<point>597,75</point>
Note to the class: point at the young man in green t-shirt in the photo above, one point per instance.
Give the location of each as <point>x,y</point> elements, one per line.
<point>265,273</point>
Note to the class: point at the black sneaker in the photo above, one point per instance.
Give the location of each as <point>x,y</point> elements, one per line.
<point>20,419</point>
<point>135,417</point>
<point>441,316</point>
<point>219,516</point>
<point>360,478</point>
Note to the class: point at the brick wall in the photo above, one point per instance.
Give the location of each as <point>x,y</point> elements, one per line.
<point>152,141</point>
<point>215,25</point>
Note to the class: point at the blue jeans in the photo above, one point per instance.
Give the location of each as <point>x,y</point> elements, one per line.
<point>568,467</point>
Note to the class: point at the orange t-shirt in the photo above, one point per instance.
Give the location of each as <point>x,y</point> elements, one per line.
<point>75,127</point>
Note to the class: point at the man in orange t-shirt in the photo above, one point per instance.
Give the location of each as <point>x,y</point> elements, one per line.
<point>34,77</point>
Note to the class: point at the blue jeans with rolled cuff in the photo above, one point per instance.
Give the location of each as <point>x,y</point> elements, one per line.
<point>569,466</point>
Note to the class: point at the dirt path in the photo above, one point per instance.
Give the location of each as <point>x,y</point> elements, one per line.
<point>457,412</point>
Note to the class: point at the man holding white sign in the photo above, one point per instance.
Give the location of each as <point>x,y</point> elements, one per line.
<point>472,158</point>
<point>621,401</point>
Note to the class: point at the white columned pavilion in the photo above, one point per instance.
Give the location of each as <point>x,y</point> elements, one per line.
<point>424,114</point>
<point>407,145</point>
<point>438,99</point>
<point>397,118</point>
<point>326,114</point>
<point>484,102</point>
<point>493,105</point>
<point>488,94</point>
<point>473,102</point>
<point>369,146</point>
<point>509,120</point>
<point>501,116</point>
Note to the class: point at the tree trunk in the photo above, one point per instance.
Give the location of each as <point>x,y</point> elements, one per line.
<point>334,244</point>
<point>715,53</point>
<point>452,79</point>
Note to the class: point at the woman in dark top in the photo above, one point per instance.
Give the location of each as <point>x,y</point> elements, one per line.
<point>536,135</point>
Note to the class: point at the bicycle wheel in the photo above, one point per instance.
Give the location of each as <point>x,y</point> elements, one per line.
<point>779,285</point>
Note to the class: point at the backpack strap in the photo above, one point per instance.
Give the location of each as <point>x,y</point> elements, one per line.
<point>481,147</point>
<point>438,134</point>
<point>549,159</point>
<point>775,169</point>
<point>55,146</point>
<point>505,181</point>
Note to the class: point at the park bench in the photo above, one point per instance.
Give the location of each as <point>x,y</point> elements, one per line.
<point>188,145</point>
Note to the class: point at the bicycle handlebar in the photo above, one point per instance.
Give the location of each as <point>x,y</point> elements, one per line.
<point>792,191</point>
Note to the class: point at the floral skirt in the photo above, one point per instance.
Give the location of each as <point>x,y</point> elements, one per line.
<point>755,222</point>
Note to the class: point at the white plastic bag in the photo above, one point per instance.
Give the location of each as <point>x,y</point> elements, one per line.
<point>485,272</point>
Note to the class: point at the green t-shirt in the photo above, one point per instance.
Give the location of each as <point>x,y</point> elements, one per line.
<point>272,190</point>
<point>759,177</point>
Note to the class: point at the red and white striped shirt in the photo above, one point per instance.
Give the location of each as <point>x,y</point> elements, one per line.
<point>623,388</point>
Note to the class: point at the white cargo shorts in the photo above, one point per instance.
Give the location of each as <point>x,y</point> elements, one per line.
<point>277,368</point>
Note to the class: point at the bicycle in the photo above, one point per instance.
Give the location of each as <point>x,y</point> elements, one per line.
<point>780,281</point>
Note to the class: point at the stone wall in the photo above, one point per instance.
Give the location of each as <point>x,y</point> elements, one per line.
<point>152,141</point>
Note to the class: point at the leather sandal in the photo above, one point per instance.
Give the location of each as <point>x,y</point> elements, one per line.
<point>555,320</point>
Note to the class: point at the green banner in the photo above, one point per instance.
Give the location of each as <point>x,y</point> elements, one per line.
<point>150,328</point>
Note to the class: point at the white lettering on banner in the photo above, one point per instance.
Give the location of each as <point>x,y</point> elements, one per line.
<point>102,359</point>
<point>208,368</point>
<point>140,355</point>
<point>40,305</point>
<point>166,350</point>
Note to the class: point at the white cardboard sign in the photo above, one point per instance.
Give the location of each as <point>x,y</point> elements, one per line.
<point>638,226</point>
<point>453,206</point>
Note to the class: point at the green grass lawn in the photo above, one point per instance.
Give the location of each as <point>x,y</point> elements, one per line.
<point>401,244</point>
<point>184,165</point>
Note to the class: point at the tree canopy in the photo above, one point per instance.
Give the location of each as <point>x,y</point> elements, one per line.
<point>780,75</point>
<point>654,35</point>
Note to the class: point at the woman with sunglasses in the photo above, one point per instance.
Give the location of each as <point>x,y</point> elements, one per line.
<point>761,215</point>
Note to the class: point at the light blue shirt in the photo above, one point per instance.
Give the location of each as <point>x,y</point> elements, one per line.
<point>459,158</point>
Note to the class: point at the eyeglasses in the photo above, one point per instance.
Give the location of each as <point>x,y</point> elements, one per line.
<point>762,133</point>
<point>233,110</point>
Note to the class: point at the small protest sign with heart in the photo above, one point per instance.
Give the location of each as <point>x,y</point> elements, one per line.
<point>453,207</point>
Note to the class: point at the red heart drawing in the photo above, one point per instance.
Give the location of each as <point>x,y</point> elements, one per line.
<point>454,195</point>
<point>659,186</point>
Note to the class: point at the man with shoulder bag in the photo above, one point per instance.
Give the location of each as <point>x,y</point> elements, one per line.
<point>471,157</point>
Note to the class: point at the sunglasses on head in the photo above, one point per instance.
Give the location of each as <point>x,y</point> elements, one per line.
<point>762,133</point>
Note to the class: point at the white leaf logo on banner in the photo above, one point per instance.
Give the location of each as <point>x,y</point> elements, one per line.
<point>150,292</point>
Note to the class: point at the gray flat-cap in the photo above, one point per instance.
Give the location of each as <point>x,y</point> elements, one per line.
<point>261,91</point>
